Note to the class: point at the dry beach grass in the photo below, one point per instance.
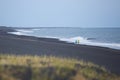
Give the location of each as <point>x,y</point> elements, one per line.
<point>35,58</point>
<point>26,67</point>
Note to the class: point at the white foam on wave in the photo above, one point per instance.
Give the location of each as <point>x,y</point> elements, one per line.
<point>89,42</point>
<point>82,40</point>
<point>21,32</point>
<point>16,33</point>
<point>72,40</point>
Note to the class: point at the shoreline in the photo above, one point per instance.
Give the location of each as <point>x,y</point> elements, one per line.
<point>83,40</point>
<point>21,45</point>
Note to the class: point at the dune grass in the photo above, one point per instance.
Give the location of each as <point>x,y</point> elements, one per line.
<point>26,67</point>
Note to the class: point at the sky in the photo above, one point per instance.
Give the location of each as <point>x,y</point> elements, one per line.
<point>60,13</point>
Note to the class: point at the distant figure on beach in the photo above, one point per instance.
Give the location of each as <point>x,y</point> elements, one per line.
<point>77,41</point>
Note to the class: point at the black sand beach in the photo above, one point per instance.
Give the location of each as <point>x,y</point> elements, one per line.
<point>21,45</point>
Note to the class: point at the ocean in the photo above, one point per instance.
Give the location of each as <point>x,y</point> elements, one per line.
<point>104,37</point>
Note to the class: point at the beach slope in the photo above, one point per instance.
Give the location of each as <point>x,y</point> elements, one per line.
<point>21,45</point>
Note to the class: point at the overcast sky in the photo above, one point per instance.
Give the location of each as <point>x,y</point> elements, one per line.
<point>61,13</point>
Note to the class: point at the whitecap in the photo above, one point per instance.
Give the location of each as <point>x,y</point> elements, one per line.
<point>16,33</point>
<point>85,41</point>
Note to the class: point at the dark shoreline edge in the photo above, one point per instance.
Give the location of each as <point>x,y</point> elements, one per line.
<point>21,45</point>
<point>13,29</point>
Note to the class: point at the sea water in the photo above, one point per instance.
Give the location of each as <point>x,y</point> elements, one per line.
<point>105,37</point>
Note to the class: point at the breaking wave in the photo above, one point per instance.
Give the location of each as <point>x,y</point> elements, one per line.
<point>86,41</point>
<point>82,40</point>
<point>21,32</point>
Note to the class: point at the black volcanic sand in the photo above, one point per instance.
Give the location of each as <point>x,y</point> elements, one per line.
<point>21,45</point>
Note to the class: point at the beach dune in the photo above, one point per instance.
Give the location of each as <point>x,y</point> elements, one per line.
<point>22,45</point>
